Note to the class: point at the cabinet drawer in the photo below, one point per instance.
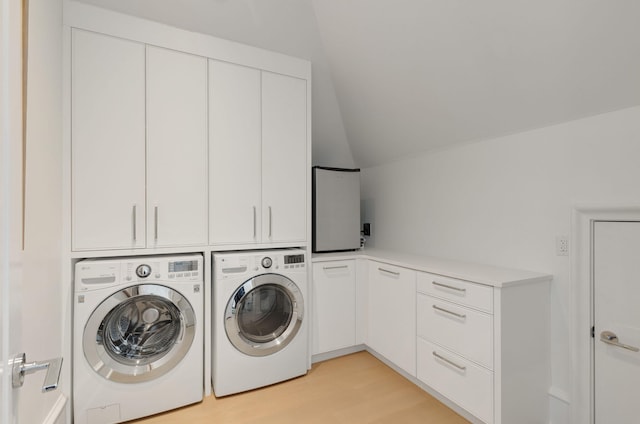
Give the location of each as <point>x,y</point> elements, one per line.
<point>463,330</point>
<point>468,385</point>
<point>458,291</point>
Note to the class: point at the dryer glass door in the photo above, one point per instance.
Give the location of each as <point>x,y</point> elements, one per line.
<point>264,314</point>
<point>139,333</point>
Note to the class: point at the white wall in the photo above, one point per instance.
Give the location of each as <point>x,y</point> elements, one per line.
<point>503,202</point>
<point>42,285</point>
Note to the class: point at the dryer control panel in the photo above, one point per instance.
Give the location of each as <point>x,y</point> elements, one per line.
<point>238,264</point>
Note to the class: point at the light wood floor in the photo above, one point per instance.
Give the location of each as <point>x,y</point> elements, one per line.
<point>352,389</point>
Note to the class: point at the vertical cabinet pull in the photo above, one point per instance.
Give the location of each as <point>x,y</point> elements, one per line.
<point>134,224</point>
<point>254,223</point>
<point>155,224</point>
<point>270,222</point>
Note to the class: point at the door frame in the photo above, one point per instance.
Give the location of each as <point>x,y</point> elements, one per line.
<point>582,225</point>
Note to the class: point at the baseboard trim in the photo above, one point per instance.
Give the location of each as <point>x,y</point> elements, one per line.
<point>336,353</point>
<point>57,414</point>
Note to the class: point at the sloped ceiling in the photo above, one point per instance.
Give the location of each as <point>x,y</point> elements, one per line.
<point>400,77</point>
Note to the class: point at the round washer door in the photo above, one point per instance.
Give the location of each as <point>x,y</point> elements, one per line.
<point>264,314</point>
<point>139,333</point>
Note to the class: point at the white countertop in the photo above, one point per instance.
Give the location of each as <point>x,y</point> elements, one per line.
<point>478,273</point>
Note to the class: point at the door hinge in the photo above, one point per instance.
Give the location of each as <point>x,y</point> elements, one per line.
<point>593,332</point>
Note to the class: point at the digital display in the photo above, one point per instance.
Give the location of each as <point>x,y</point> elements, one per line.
<point>294,259</point>
<point>182,266</point>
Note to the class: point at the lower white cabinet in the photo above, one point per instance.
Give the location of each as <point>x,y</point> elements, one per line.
<point>485,348</point>
<point>477,335</point>
<point>334,306</point>
<point>392,314</point>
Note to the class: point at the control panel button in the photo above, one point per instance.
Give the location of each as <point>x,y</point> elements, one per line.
<point>267,262</point>
<point>143,271</point>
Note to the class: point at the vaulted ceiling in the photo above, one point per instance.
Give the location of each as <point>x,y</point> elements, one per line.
<point>394,78</point>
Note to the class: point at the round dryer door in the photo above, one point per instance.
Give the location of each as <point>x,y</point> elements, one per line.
<point>139,333</point>
<point>264,314</point>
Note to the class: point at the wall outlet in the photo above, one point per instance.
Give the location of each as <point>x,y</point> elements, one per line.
<point>562,246</point>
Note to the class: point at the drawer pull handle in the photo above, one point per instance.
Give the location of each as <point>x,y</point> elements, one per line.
<point>389,272</point>
<point>449,361</point>
<point>436,307</point>
<point>335,267</point>
<point>435,283</point>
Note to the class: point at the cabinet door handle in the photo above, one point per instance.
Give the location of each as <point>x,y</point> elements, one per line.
<point>436,307</point>
<point>254,223</point>
<point>435,283</point>
<point>134,224</point>
<point>449,361</point>
<point>155,226</point>
<point>270,221</point>
<point>335,267</point>
<point>395,274</point>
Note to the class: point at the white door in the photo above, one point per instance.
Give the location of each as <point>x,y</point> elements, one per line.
<point>176,148</point>
<point>616,294</point>
<point>10,200</point>
<point>284,158</point>
<point>334,306</point>
<point>392,314</point>
<point>107,142</point>
<point>235,169</point>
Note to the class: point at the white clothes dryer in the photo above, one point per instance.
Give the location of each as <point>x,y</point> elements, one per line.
<point>259,319</point>
<point>138,336</point>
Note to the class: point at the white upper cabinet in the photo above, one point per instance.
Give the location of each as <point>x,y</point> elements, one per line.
<point>180,139</point>
<point>108,142</point>
<point>235,160</point>
<point>139,145</point>
<point>284,158</point>
<point>258,156</point>
<point>176,148</point>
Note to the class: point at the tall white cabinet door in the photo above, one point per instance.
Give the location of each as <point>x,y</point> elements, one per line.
<point>107,142</point>
<point>176,148</point>
<point>284,158</point>
<point>234,154</point>
<point>334,306</point>
<point>392,314</point>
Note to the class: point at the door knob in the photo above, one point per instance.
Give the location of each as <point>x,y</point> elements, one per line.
<point>610,337</point>
<point>20,368</point>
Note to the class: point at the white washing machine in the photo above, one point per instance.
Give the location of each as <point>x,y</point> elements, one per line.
<point>259,319</point>
<point>138,336</point>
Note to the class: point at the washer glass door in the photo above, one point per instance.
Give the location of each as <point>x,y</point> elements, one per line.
<point>264,314</point>
<point>139,333</point>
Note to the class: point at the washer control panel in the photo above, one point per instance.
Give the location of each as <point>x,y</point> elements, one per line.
<point>93,274</point>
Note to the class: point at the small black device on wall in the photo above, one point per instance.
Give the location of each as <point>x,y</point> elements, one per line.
<point>336,209</point>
